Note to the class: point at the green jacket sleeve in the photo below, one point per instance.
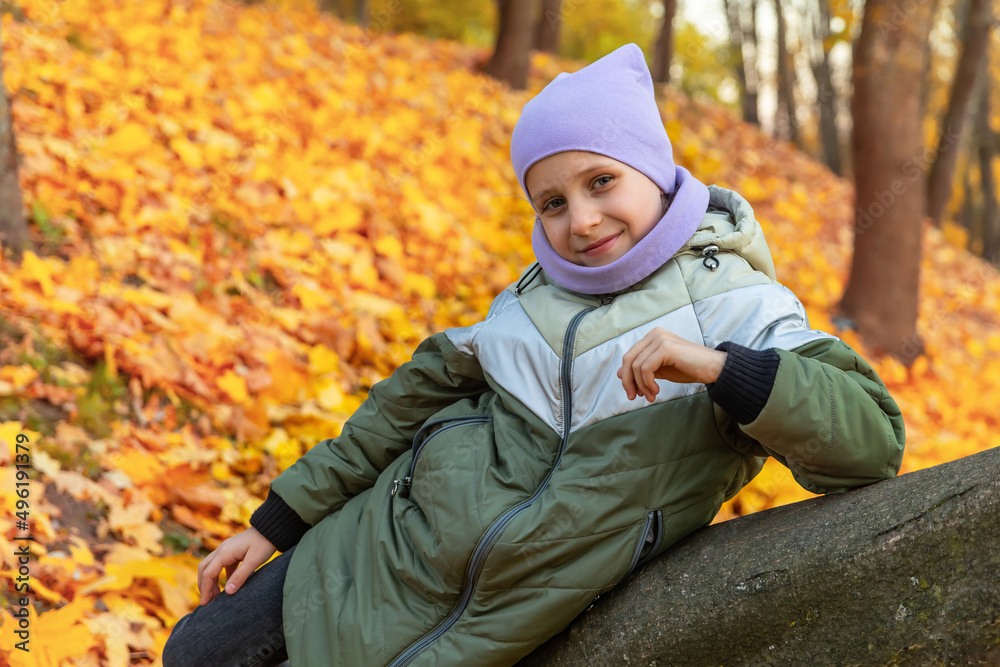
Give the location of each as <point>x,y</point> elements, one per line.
<point>336,469</point>
<point>828,417</point>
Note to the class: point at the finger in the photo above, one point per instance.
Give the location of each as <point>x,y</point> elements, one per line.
<point>210,578</point>
<point>230,570</point>
<point>203,563</point>
<point>628,382</point>
<point>201,570</point>
<point>208,581</point>
<point>631,363</point>
<point>239,576</point>
<point>654,362</point>
<point>627,371</point>
<point>643,368</point>
<point>649,368</point>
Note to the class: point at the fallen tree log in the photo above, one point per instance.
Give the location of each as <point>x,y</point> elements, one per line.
<point>903,572</point>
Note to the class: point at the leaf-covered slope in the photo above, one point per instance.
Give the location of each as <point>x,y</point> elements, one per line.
<point>249,214</point>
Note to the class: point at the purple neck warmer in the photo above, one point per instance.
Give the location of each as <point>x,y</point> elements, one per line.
<point>654,249</point>
<point>609,107</point>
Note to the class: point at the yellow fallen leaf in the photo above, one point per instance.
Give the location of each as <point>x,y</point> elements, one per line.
<point>120,577</point>
<point>234,386</point>
<point>323,360</point>
<point>38,589</point>
<point>18,376</point>
<point>331,397</point>
<point>130,139</point>
<point>141,467</point>
<point>35,269</point>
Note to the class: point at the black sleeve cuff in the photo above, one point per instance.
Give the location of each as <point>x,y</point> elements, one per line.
<point>745,382</point>
<point>278,522</point>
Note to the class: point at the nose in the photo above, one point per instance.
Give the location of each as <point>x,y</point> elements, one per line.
<point>583,215</point>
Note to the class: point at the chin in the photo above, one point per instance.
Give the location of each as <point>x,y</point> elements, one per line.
<point>595,262</point>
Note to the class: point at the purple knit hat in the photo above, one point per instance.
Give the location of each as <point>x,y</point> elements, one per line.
<point>608,107</point>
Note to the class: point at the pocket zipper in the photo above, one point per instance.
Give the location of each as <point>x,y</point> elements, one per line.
<point>419,440</point>
<point>654,526</point>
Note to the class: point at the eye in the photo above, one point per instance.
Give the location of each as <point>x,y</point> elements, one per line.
<point>554,199</point>
<point>598,180</point>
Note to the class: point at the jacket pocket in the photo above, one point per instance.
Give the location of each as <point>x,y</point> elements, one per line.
<point>422,437</point>
<point>649,541</point>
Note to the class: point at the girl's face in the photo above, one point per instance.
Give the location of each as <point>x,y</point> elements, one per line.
<point>593,208</point>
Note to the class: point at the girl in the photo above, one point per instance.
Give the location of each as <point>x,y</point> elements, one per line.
<point>633,379</point>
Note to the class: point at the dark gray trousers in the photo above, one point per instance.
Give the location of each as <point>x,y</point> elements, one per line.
<point>239,630</point>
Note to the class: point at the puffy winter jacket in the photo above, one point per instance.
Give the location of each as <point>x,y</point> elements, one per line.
<point>487,491</point>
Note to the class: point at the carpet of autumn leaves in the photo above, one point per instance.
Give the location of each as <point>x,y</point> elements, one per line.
<point>249,214</point>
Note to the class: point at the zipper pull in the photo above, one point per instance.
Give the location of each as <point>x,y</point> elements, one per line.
<point>397,484</point>
<point>711,262</point>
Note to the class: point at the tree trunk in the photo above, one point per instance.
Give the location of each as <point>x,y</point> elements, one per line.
<point>748,95</point>
<point>902,572</point>
<point>750,113</point>
<point>786,83</point>
<point>826,95</point>
<point>13,226</point>
<point>515,30</point>
<point>987,178</point>
<point>547,35</point>
<point>664,49</point>
<point>881,294</point>
<point>363,13</point>
<point>976,37</point>
<point>335,7</point>
<point>967,203</point>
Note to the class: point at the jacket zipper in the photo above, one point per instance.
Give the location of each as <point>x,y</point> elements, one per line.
<point>419,440</point>
<point>654,524</point>
<point>475,566</point>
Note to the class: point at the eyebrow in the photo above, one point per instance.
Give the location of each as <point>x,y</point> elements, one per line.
<point>546,192</point>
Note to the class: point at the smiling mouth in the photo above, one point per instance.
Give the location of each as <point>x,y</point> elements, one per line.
<point>601,245</point>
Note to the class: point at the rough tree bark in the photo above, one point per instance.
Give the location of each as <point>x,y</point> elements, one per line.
<point>826,95</point>
<point>664,49</point>
<point>786,83</point>
<point>881,294</point>
<point>902,572</point>
<point>965,217</point>
<point>750,113</point>
<point>746,74</point>
<point>512,54</point>
<point>13,226</point>
<point>975,39</point>
<point>986,141</point>
<point>547,35</point>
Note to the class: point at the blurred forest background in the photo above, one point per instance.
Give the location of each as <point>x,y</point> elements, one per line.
<point>224,221</point>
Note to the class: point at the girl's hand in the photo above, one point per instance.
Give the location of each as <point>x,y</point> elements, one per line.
<point>665,355</point>
<point>249,546</point>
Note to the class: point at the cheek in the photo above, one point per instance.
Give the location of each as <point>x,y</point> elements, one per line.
<point>645,223</point>
<point>558,236</point>
<point>552,230</point>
